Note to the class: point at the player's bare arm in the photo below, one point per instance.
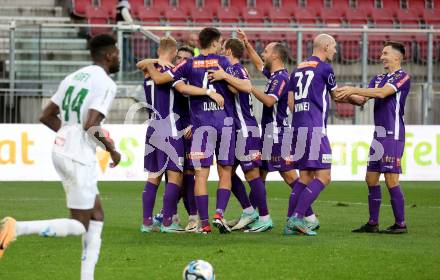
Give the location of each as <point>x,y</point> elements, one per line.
<point>290,101</point>
<point>50,117</point>
<point>352,99</point>
<point>142,65</point>
<point>255,58</point>
<point>196,91</point>
<point>158,77</point>
<point>242,85</point>
<point>267,100</point>
<point>380,93</point>
<point>93,127</point>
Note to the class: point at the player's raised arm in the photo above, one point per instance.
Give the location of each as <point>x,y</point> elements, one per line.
<point>255,58</point>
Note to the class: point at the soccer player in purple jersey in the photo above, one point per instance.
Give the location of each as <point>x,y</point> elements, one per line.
<point>274,121</point>
<point>164,144</point>
<point>389,91</point>
<point>310,87</point>
<point>212,125</point>
<point>248,145</point>
<point>187,192</point>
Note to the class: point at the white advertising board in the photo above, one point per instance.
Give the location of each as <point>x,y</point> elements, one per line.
<point>25,153</point>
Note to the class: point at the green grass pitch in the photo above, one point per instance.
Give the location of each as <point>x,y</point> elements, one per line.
<point>335,253</point>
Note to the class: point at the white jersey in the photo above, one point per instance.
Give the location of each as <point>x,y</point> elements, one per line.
<point>88,88</point>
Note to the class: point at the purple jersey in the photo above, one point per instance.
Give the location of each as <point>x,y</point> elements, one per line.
<point>276,87</point>
<point>164,103</point>
<point>243,114</point>
<point>311,82</point>
<point>389,111</point>
<point>195,70</point>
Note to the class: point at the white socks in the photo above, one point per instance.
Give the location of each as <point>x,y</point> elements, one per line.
<point>311,218</point>
<point>91,248</point>
<point>50,228</point>
<point>249,210</point>
<point>265,218</point>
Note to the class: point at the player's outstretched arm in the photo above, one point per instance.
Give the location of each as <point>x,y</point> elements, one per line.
<point>255,58</point>
<point>49,117</point>
<point>242,85</point>
<point>142,65</point>
<point>352,99</point>
<point>267,100</point>
<point>344,92</point>
<point>93,128</point>
<point>158,77</point>
<point>196,91</point>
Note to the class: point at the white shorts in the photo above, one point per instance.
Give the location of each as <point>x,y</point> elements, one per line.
<point>80,181</point>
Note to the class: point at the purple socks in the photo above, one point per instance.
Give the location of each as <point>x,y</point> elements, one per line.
<point>188,196</point>
<point>170,199</point>
<point>307,197</point>
<point>202,207</point>
<point>374,201</point>
<point>239,191</point>
<point>222,200</point>
<point>148,200</point>
<point>258,191</point>
<point>297,188</point>
<point>398,204</point>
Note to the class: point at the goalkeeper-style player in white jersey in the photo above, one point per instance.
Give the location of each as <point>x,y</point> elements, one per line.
<point>76,112</point>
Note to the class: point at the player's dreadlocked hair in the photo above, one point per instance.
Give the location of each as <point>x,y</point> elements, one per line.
<point>100,45</point>
<point>207,36</point>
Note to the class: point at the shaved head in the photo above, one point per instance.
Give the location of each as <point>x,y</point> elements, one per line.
<point>323,40</point>
<point>324,46</point>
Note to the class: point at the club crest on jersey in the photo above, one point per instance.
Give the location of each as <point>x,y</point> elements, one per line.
<point>332,79</point>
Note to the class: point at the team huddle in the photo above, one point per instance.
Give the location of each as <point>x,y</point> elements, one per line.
<point>215,118</point>
<point>200,112</point>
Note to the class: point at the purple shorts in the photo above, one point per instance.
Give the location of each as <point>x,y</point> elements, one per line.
<point>163,153</point>
<point>311,151</point>
<point>390,162</point>
<point>247,151</point>
<point>208,141</point>
<point>277,162</point>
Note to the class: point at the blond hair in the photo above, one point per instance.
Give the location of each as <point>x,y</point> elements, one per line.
<point>167,43</point>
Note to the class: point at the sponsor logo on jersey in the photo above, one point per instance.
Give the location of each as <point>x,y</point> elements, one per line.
<point>305,64</point>
<point>326,158</point>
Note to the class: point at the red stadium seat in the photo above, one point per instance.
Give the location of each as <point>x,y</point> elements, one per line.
<point>80,7</point>
<point>432,17</point>
<point>331,16</point>
<point>205,14</point>
<point>305,16</point>
<point>151,14</point>
<point>375,46</point>
<point>344,110</point>
<point>350,47</point>
<point>253,16</point>
<point>230,14</point>
<point>422,46</point>
<point>408,17</point>
<point>356,17</point>
<point>282,15</point>
<point>382,17</point>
